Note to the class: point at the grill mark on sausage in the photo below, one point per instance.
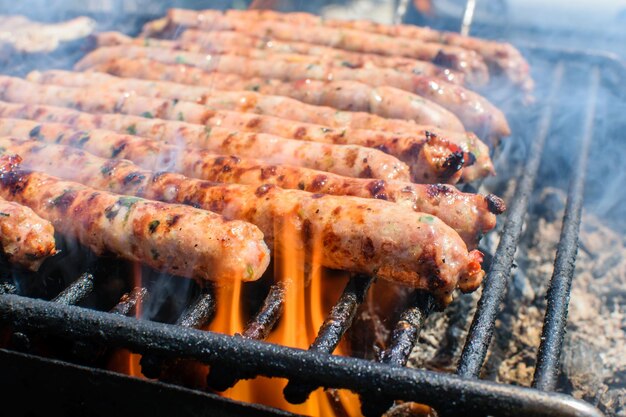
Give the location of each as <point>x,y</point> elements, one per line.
<point>108,167</point>
<point>117,150</point>
<point>64,201</point>
<point>367,249</point>
<point>263,189</point>
<point>318,182</point>
<point>350,158</point>
<point>430,267</point>
<point>254,122</point>
<point>495,204</point>
<point>134,177</point>
<point>300,132</point>
<point>268,172</point>
<point>435,190</point>
<point>377,189</point>
<point>171,221</point>
<point>367,172</point>
<point>453,163</point>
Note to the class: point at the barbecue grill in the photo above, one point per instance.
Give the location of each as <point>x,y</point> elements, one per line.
<point>90,330</point>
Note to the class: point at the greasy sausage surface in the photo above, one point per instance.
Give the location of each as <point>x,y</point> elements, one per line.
<point>347,95</point>
<point>471,215</point>
<point>360,235</point>
<point>26,238</point>
<point>178,239</point>
<point>350,160</point>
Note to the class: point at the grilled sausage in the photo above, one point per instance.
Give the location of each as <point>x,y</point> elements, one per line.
<point>429,110</point>
<point>423,154</point>
<point>368,236</point>
<point>222,42</point>
<point>175,238</point>
<point>502,57</point>
<point>26,238</point>
<point>471,215</point>
<point>467,62</point>
<point>475,111</point>
<point>347,95</point>
<point>239,101</point>
<point>349,160</point>
<point>433,164</point>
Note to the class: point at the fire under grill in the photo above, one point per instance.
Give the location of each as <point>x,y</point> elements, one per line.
<point>88,332</point>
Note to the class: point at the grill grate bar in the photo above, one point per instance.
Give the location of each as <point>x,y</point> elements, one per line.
<point>403,340</point>
<point>7,288</point>
<point>267,317</point>
<point>220,378</point>
<point>438,390</point>
<point>332,330</point>
<point>200,313</point>
<point>483,323</point>
<point>546,371</point>
<point>71,295</point>
<point>196,316</point>
<point>88,351</point>
<point>129,301</point>
<point>76,291</point>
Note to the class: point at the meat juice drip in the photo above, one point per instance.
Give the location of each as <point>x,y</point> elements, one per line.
<point>123,360</point>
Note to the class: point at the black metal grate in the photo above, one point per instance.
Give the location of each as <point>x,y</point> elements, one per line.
<point>379,384</point>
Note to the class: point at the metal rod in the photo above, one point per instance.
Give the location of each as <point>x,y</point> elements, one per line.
<point>76,291</point>
<point>129,301</point>
<point>468,17</point>
<point>332,330</point>
<point>74,390</point>
<point>72,295</point>
<point>221,378</point>
<point>441,391</point>
<point>265,320</point>
<point>403,340</point>
<point>196,316</point>
<point>201,311</point>
<point>546,371</point>
<point>89,352</point>
<point>7,288</point>
<point>481,330</point>
<point>407,330</point>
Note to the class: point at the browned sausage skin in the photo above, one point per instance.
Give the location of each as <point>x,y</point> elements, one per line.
<point>349,160</point>
<point>228,42</point>
<point>239,101</point>
<point>360,235</point>
<point>175,238</point>
<point>468,62</point>
<point>26,238</point>
<point>502,57</point>
<point>347,95</point>
<point>475,111</point>
<point>471,215</point>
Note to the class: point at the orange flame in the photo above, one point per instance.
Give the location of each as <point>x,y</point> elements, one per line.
<point>310,293</point>
<point>309,296</point>
<point>229,320</point>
